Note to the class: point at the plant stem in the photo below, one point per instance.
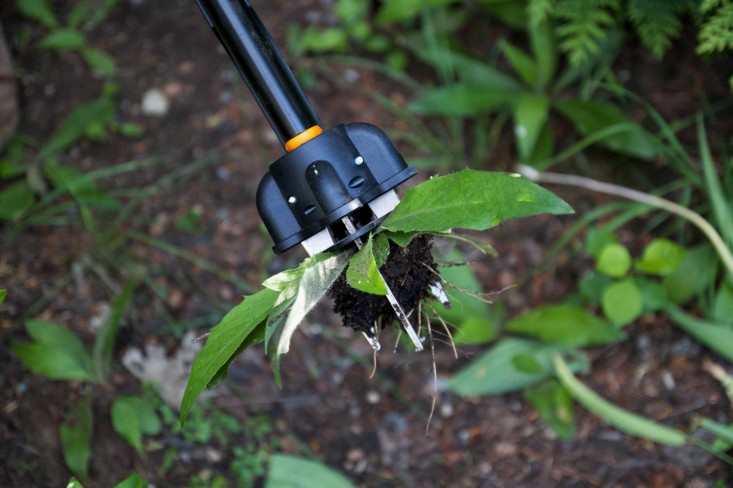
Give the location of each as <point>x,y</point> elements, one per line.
<point>654,201</point>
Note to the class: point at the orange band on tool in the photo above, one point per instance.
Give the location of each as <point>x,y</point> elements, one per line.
<point>303,137</point>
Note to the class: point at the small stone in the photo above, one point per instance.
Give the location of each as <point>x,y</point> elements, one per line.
<point>155,103</point>
<point>372,397</point>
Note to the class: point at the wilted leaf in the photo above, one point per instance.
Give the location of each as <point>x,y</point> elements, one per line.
<point>224,342</point>
<point>494,372</point>
<point>473,200</point>
<point>76,436</point>
<point>293,472</point>
<point>565,324</point>
<point>317,279</point>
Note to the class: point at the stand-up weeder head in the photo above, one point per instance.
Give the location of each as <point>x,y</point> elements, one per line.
<point>331,187</point>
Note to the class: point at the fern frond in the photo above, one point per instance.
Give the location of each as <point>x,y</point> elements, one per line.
<point>585,24</point>
<point>716,33</point>
<point>538,11</point>
<point>659,21</point>
<point>709,5</point>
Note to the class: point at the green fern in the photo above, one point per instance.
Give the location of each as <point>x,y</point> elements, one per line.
<point>658,22</point>
<point>716,33</point>
<point>585,25</point>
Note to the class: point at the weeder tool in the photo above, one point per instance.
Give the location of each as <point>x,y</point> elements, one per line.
<point>332,187</point>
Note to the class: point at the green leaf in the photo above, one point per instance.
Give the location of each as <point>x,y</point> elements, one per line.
<point>544,48</point>
<point>133,417</point>
<point>530,118</point>
<point>494,372</point>
<point>522,63</point>
<point>15,200</point>
<point>622,302</point>
<point>63,40</point>
<point>223,343</point>
<point>722,307</point>
<point>107,335</point>
<point>74,127</point>
<point>555,406</point>
<point>661,257</point>
<point>564,324</point>
<point>363,273</point>
<point>37,10</point>
<point>77,14</point>
<point>477,72</point>
<point>621,419</point>
<point>56,354</point>
<point>653,294</point>
<point>132,481</point>
<point>74,483</point>
<point>694,275</point>
<point>723,432</point>
<point>591,116</point>
<point>318,276</point>
<point>400,10</point>
<point>471,199</point>
<point>716,336</point>
<point>614,260</point>
<point>293,472</point>
<point>592,285</point>
<point>597,239</point>
<point>99,61</point>
<point>474,320</point>
<point>76,437</point>
<point>462,99</point>
<point>3,294</point>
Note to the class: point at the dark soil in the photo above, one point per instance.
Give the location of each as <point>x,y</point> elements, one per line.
<point>373,429</point>
<point>409,271</point>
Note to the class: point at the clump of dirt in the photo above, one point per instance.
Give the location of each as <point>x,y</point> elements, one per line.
<point>408,271</point>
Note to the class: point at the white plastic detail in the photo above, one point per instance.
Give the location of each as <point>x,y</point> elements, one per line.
<point>318,242</point>
<point>384,204</point>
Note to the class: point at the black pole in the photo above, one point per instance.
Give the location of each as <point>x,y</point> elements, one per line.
<point>260,63</point>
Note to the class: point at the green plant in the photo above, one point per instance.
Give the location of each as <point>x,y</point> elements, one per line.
<point>132,481</point>
<point>58,354</point>
<point>532,94</point>
<point>286,470</point>
<point>28,177</point>
<point>664,278</point>
<point>71,35</point>
<point>354,29</point>
<point>469,199</point>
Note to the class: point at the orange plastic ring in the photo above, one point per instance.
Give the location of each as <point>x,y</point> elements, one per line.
<point>303,137</point>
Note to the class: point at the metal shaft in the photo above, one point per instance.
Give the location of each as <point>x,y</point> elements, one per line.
<point>262,66</point>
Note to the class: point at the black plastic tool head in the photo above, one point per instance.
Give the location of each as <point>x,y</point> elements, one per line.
<point>348,171</point>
